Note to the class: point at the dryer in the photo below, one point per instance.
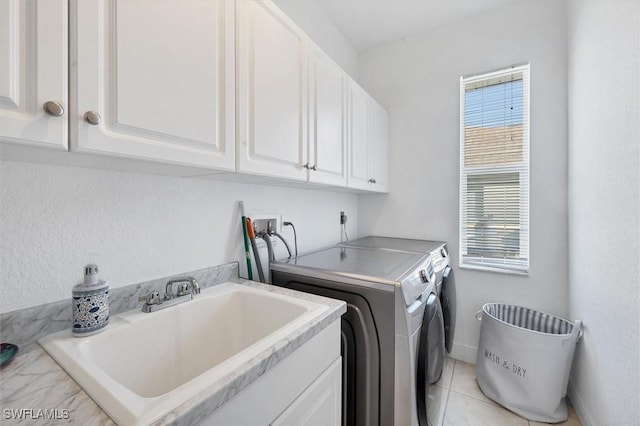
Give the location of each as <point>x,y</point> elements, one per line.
<point>445,281</point>
<point>391,299</point>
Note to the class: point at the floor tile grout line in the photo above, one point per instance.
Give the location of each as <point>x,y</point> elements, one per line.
<point>486,401</point>
<point>484,398</point>
<point>468,396</point>
<point>446,403</point>
<point>491,403</point>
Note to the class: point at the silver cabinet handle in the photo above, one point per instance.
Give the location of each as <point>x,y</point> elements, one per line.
<point>92,118</point>
<point>306,166</point>
<point>53,108</point>
<point>372,180</point>
<point>314,167</point>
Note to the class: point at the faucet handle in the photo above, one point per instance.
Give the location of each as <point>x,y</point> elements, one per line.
<point>152,298</point>
<point>195,287</point>
<point>183,288</point>
<point>187,285</point>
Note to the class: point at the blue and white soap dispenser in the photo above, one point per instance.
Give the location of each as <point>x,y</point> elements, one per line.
<point>90,304</point>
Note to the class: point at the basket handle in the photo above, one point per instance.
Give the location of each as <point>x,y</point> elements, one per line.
<point>577,328</point>
<point>479,315</point>
<point>576,331</point>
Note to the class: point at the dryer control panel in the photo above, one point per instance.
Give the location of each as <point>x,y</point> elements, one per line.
<point>441,260</point>
<point>417,281</point>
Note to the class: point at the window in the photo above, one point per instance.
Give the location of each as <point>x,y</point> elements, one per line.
<point>494,171</point>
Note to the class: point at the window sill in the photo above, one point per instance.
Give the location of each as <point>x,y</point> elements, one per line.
<point>494,269</point>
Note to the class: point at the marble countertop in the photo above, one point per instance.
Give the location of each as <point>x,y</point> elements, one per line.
<point>34,387</point>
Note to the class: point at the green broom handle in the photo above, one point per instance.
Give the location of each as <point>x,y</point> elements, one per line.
<point>247,254</point>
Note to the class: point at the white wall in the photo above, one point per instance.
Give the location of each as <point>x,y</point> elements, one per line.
<point>417,80</point>
<point>54,220</point>
<point>604,207</point>
<point>136,227</point>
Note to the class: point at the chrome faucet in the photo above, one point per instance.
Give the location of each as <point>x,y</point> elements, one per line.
<point>188,287</point>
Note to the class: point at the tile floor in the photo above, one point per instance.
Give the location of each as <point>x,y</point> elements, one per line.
<point>456,400</point>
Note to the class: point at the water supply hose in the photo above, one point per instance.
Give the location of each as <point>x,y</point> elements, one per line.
<point>267,239</point>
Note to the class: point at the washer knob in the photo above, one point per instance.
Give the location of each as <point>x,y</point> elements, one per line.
<point>423,276</point>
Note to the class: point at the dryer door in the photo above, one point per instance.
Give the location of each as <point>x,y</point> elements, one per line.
<point>430,354</point>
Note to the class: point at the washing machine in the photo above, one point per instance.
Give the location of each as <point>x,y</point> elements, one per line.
<point>445,281</point>
<point>393,327</point>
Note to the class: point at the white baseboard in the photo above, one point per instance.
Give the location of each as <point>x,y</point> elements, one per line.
<point>579,405</point>
<point>464,353</point>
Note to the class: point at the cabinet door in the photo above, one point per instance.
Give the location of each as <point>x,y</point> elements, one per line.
<point>155,80</point>
<point>320,404</point>
<point>272,74</point>
<point>327,120</point>
<point>379,126</point>
<point>33,71</point>
<point>368,142</point>
<point>359,133</point>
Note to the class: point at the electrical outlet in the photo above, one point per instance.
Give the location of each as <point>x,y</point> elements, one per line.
<point>343,218</point>
<point>284,229</point>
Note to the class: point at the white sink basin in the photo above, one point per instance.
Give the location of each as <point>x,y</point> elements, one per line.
<point>146,364</point>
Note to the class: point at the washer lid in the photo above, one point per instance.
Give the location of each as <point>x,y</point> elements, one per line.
<point>357,262</point>
<point>437,249</point>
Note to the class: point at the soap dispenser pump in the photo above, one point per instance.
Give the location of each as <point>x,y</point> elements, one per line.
<point>90,304</point>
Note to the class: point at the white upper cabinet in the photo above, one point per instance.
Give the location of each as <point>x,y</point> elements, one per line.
<point>272,97</point>
<point>224,85</point>
<point>327,120</point>
<point>368,133</point>
<point>359,171</point>
<point>154,80</point>
<point>33,72</point>
<point>380,147</point>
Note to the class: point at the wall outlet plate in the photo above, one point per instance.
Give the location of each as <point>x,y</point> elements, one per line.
<point>263,223</point>
<point>343,218</point>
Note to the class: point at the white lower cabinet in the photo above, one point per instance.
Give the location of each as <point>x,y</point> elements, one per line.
<point>304,388</point>
<point>320,404</point>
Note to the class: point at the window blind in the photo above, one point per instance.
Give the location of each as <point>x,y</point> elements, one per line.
<point>494,170</point>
